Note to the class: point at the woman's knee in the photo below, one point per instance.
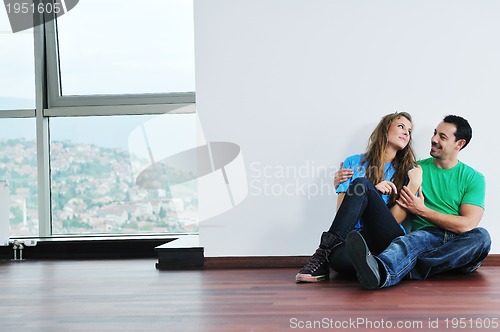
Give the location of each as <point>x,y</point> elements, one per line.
<point>359,186</point>
<point>361,181</point>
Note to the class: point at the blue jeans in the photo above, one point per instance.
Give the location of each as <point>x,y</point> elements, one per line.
<point>362,202</point>
<point>426,252</point>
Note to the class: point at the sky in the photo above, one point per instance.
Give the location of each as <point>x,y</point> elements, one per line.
<point>122,48</point>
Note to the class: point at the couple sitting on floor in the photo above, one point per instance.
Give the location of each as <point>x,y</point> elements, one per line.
<point>443,198</point>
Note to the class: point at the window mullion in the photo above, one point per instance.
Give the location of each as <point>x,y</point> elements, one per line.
<point>42,134</point>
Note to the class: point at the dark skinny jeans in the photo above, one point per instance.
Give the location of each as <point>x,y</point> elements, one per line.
<point>362,201</point>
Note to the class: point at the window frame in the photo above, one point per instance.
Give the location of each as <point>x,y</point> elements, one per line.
<point>55,99</point>
<point>51,103</point>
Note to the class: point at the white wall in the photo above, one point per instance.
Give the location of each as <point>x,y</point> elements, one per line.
<point>300,84</point>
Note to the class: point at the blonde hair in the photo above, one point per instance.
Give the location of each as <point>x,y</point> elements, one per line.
<point>374,156</point>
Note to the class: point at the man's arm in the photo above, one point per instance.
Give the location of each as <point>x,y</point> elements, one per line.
<point>469,218</point>
<point>397,210</point>
<point>342,175</point>
<point>414,184</point>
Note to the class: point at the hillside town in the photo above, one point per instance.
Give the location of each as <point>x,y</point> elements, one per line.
<point>92,192</point>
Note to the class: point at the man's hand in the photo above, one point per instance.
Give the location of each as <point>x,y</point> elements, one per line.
<point>411,202</point>
<point>469,217</point>
<point>342,175</point>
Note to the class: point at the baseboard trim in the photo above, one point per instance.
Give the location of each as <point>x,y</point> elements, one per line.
<point>255,262</point>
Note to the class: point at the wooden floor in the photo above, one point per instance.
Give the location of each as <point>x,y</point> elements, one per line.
<point>131,295</point>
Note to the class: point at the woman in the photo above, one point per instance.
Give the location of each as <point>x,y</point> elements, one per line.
<point>389,163</point>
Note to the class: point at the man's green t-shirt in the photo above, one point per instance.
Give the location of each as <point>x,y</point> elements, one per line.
<point>446,189</point>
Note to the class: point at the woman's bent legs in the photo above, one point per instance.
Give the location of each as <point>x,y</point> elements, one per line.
<point>362,201</point>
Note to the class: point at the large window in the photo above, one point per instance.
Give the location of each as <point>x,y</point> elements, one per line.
<point>123,47</point>
<point>72,145</point>
<point>18,165</point>
<point>18,148</point>
<point>17,78</point>
<point>96,164</point>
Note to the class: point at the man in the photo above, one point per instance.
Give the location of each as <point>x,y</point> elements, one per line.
<point>446,212</point>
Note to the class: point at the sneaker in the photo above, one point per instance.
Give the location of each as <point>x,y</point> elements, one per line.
<point>365,264</point>
<point>317,268</point>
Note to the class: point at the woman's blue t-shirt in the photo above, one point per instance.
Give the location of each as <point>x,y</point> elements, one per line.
<point>360,170</point>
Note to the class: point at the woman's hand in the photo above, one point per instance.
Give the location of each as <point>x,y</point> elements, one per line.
<point>342,175</point>
<point>415,177</point>
<point>386,187</point>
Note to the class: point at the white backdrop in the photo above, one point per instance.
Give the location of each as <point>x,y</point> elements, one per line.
<point>300,84</point>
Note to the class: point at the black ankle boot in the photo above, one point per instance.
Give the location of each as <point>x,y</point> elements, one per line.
<point>317,269</point>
